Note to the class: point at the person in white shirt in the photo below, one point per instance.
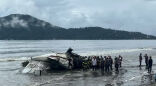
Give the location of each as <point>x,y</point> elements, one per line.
<point>94,63</point>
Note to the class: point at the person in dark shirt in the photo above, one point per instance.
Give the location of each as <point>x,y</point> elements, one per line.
<point>70,63</point>
<point>107,65</point>
<point>110,63</point>
<point>98,62</point>
<point>140,59</point>
<point>102,64</point>
<point>116,64</point>
<point>150,63</point>
<point>146,60</point>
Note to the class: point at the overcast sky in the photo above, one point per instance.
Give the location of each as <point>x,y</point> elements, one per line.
<point>131,15</point>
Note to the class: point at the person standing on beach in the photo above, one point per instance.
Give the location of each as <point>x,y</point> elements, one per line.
<point>107,64</point>
<point>150,63</point>
<point>98,62</point>
<point>116,64</point>
<point>85,65</point>
<point>94,63</point>
<point>146,60</point>
<point>70,63</point>
<point>102,64</point>
<point>111,63</point>
<point>120,60</point>
<point>140,59</point>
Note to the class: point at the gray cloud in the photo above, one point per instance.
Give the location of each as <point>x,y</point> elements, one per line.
<point>16,21</point>
<point>131,15</point>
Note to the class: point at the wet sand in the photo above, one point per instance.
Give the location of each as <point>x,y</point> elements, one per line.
<point>129,75</point>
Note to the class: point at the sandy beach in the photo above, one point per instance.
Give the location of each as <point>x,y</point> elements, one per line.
<point>129,75</point>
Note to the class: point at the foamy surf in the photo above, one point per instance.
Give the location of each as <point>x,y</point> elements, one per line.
<point>14,59</point>
<point>105,52</point>
<point>9,69</point>
<point>25,58</point>
<point>109,52</point>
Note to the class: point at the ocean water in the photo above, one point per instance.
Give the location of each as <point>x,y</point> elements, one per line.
<point>18,49</point>
<point>13,52</point>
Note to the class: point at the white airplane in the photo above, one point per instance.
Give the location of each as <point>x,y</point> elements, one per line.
<point>53,61</point>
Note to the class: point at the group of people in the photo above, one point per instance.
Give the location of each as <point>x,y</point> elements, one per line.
<point>105,63</point>
<point>148,61</point>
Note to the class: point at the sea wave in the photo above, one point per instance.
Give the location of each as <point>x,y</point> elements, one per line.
<point>24,58</point>
<point>9,69</point>
<point>14,59</point>
<point>109,52</point>
<point>20,51</point>
<point>89,53</point>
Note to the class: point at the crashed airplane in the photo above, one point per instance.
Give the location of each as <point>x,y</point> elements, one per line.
<point>54,61</point>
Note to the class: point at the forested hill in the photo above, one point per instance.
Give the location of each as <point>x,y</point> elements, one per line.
<point>101,33</point>
<point>26,27</point>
